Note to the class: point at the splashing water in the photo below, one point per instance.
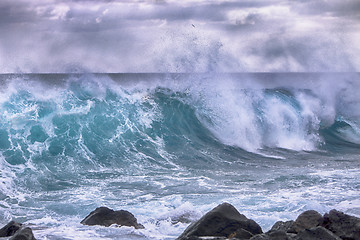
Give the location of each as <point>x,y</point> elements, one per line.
<point>168,147</point>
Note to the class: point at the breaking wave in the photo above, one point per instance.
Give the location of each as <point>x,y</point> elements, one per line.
<point>63,132</point>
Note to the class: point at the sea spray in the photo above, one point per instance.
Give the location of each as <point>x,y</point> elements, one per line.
<point>169,145</point>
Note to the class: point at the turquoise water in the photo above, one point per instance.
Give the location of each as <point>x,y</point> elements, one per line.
<point>172,146</point>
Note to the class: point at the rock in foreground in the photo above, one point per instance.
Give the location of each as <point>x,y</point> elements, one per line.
<point>222,221</point>
<point>343,225</point>
<point>17,231</point>
<point>23,234</point>
<point>308,219</point>
<point>317,233</point>
<point>10,229</point>
<point>225,222</point>
<point>288,226</point>
<point>104,216</point>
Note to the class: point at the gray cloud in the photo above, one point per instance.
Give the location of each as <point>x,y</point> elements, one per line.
<point>133,36</point>
<point>345,8</point>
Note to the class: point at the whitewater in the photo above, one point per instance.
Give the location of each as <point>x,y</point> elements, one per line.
<point>169,147</point>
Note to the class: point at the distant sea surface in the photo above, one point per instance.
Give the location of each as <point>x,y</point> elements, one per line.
<point>169,147</point>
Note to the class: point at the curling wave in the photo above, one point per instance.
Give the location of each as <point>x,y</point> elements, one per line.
<point>95,119</point>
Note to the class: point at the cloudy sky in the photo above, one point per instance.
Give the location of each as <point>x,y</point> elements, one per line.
<point>179,36</point>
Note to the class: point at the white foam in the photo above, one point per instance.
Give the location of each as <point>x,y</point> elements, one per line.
<point>160,198</point>
<point>231,113</point>
<point>185,212</point>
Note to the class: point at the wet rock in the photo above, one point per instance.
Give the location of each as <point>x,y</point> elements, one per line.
<point>10,229</point>
<point>308,219</point>
<point>185,218</point>
<point>222,221</point>
<point>317,233</point>
<point>287,226</point>
<point>343,225</point>
<point>104,216</point>
<point>23,234</point>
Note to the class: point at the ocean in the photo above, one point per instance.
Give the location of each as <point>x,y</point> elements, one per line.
<point>169,147</point>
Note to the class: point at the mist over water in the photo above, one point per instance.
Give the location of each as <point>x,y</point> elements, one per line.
<point>168,108</point>
<point>171,146</point>
<point>171,36</point>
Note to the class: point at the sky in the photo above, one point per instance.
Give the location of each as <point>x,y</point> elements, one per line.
<point>53,36</point>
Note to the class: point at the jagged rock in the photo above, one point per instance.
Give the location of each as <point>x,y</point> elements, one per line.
<point>23,234</point>
<point>317,233</point>
<point>308,219</point>
<point>343,225</point>
<point>10,229</point>
<point>222,221</point>
<point>105,217</point>
<point>287,226</point>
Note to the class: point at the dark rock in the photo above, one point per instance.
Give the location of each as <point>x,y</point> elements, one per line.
<point>281,235</point>
<point>343,225</point>
<point>209,238</point>
<point>213,238</point>
<point>308,219</point>
<point>287,226</point>
<point>317,233</point>
<point>183,218</point>
<point>274,235</point>
<point>241,234</point>
<point>23,234</point>
<point>222,221</point>
<point>105,217</point>
<point>10,229</point>
<point>262,236</point>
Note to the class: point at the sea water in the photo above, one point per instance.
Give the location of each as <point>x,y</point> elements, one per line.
<point>170,147</point>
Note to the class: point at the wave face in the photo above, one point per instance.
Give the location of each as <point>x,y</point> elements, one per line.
<point>69,143</point>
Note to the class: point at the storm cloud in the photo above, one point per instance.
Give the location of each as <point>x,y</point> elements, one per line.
<point>179,36</point>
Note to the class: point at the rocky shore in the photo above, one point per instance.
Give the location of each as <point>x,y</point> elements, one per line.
<point>225,222</point>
